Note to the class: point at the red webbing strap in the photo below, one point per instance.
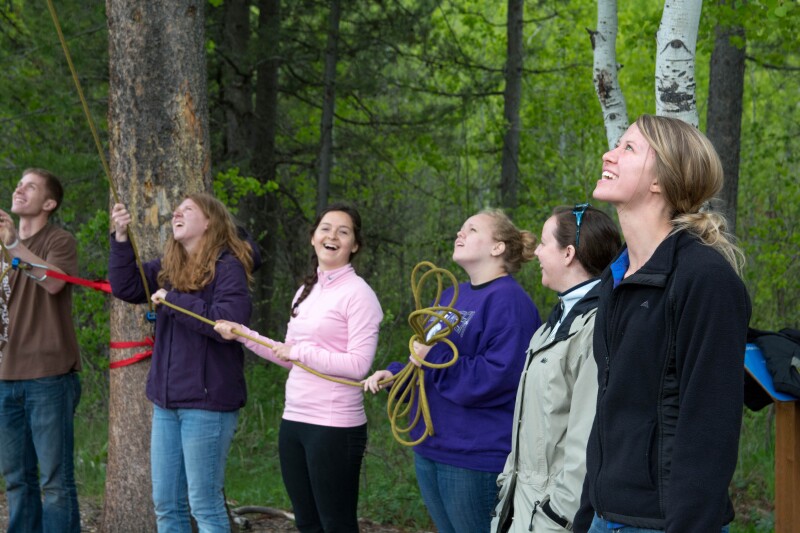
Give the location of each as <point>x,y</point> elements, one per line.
<point>148,341</point>
<point>96,285</point>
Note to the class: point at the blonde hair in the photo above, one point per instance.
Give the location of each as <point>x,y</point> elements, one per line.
<point>689,173</point>
<point>187,273</point>
<point>520,244</point>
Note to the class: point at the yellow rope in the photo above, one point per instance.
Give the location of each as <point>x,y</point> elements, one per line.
<point>408,384</point>
<point>97,142</point>
<point>261,342</point>
<point>404,391</point>
<point>7,259</point>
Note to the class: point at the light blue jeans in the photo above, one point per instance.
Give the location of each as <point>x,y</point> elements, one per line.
<point>188,450</point>
<point>36,429</point>
<point>459,500</point>
<point>601,526</point>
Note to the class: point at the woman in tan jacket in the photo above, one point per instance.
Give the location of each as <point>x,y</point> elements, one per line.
<point>540,487</point>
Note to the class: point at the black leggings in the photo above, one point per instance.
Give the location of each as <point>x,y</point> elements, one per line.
<point>320,467</point>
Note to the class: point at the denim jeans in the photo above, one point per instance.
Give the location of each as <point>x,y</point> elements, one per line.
<point>188,450</point>
<point>601,526</point>
<point>459,500</point>
<point>36,429</point>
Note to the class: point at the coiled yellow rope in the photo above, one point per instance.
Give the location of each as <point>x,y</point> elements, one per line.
<point>409,383</point>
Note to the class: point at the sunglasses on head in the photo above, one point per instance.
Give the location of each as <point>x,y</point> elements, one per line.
<point>578,211</point>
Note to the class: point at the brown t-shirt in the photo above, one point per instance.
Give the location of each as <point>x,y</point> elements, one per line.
<point>41,334</point>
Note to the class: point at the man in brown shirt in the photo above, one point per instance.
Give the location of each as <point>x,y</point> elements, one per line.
<point>39,386</point>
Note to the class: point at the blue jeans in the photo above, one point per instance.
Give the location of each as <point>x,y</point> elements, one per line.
<point>459,500</point>
<point>188,450</point>
<point>36,429</point>
<point>601,526</point>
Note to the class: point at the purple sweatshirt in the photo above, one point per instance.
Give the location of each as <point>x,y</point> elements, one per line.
<point>472,402</point>
<point>192,367</point>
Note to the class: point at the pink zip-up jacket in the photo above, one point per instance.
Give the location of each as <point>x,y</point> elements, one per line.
<point>335,333</point>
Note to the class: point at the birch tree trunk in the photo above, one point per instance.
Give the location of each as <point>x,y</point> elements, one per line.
<point>509,176</point>
<point>159,153</point>
<point>605,68</point>
<point>724,116</point>
<point>676,47</point>
<point>328,105</point>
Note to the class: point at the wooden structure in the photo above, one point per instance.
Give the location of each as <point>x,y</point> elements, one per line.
<point>787,445</point>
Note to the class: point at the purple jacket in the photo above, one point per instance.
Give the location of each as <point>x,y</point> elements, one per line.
<point>193,367</point>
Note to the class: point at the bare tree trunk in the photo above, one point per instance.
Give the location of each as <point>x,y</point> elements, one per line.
<point>676,47</point>
<point>724,116</point>
<point>236,78</point>
<point>265,208</point>
<point>159,152</point>
<point>328,105</point>
<point>509,177</point>
<point>606,82</point>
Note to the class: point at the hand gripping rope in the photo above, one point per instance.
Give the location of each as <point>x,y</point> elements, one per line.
<point>406,383</point>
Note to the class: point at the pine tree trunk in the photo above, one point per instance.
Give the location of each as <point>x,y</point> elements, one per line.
<point>724,116</point>
<point>328,106</point>
<point>159,153</point>
<point>264,210</point>
<point>236,79</point>
<point>509,177</point>
<point>676,47</point>
<point>606,82</point>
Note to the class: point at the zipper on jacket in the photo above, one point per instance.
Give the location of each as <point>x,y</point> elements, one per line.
<point>606,375</point>
<point>533,513</point>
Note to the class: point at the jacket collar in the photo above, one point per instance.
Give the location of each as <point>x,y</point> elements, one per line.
<point>332,277</point>
<point>581,307</point>
<point>659,267</point>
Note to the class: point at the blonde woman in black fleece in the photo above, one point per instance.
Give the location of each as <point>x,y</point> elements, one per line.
<point>669,342</point>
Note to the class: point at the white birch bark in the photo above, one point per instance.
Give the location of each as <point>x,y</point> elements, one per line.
<point>676,47</point>
<point>606,83</point>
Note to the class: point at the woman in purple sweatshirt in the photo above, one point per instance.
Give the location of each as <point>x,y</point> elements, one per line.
<point>333,329</point>
<point>196,380</point>
<point>472,402</point>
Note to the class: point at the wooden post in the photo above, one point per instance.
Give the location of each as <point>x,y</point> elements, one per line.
<point>787,467</point>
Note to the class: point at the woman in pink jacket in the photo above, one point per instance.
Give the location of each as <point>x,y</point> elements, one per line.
<point>333,329</point>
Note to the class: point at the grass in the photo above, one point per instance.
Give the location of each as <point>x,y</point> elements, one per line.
<point>389,492</point>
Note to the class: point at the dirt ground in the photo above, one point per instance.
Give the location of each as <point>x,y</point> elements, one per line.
<point>251,522</point>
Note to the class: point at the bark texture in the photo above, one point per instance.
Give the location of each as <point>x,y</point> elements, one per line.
<point>512,97</point>
<point>328,106</point>
<point>605,68</point>
<point>724,116</point>
<point>159,153</point>
<point>236,84</point>
<point>676,48</point>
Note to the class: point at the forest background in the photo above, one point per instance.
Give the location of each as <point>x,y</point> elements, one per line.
<point>416,142</point>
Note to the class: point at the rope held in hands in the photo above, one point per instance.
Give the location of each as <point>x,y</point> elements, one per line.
<point>97,143</point>
<point>406,382</point>
<point>409,383</point>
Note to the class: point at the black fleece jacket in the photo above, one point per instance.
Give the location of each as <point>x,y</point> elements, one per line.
<point>669,343</point>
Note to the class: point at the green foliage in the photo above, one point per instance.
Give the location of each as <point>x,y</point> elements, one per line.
<point>230,187</point>
<point>418,146</point>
